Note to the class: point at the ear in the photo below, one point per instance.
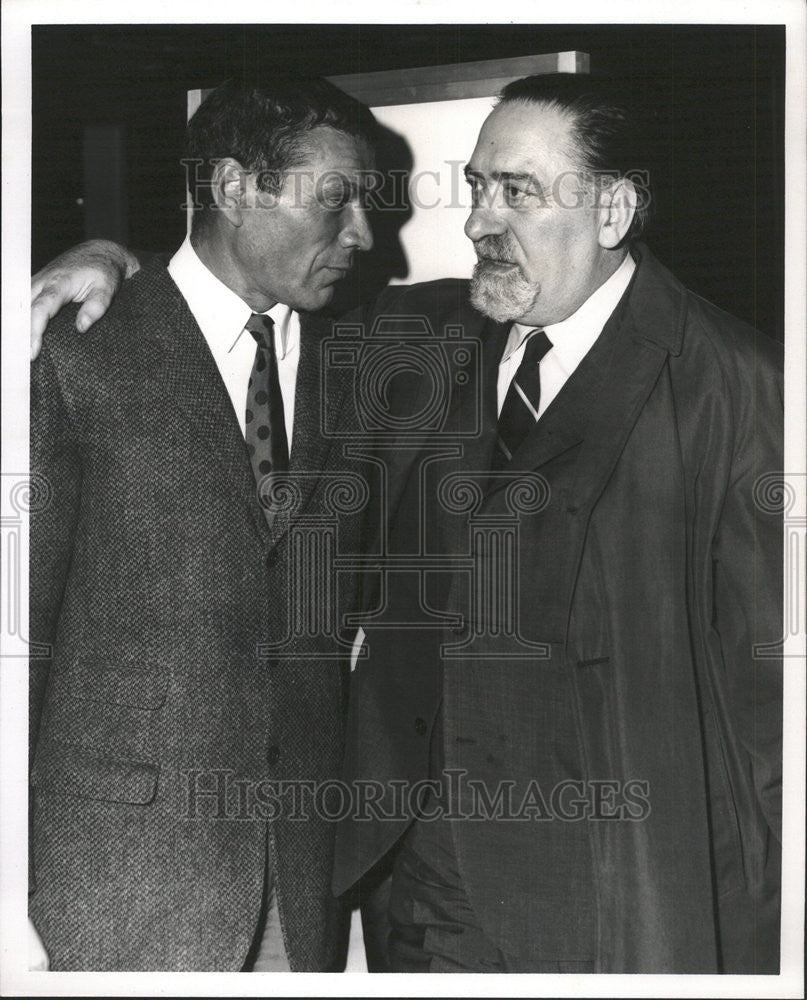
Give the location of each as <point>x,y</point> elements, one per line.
<point>617,209</point>
<point>230,186</point>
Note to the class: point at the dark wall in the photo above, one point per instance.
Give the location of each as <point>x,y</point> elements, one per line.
<point>715,129</point>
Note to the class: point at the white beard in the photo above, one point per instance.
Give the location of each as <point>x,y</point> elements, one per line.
<point>501,295</point>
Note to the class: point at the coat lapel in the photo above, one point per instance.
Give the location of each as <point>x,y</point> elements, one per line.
<point>467,431</point>
<point>602,399</point>
<point>648,328</point>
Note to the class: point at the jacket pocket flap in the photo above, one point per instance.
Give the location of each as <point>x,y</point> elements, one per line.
<point>118,685</point>
<point>92,774</point>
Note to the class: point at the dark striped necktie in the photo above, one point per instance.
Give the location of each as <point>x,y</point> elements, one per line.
<point>265,424</point>
<point>522,402</point>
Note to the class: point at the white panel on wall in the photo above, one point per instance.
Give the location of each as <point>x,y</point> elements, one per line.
<point>441,136</point>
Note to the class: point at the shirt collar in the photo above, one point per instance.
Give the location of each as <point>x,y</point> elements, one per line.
<point>289,331</point>
<point>217,309</point>
<point>574,336</point>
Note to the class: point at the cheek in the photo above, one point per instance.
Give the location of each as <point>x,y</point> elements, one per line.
<point>541,247</point>
<point>570,238</point>
<point>317,241</point>
<point>327,232</point>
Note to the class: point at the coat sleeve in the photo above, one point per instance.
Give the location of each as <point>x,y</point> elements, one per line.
<point>56,473</point>
<point>55,467</point>
<point>748,598</point>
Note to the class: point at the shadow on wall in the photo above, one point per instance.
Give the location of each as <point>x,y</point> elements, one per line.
<point>390,210</point>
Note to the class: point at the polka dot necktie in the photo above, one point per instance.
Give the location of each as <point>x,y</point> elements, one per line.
<point>265,424</point>
<point>522,402</point>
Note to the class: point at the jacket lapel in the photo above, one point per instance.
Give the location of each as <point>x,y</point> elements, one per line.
<point>564,423</point>
<point>477,451</point>
<point>192,380</point>
<point>317,406</point>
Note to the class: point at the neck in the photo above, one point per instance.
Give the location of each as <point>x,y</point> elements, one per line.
<point>607,265</point>
<point>215,252</point>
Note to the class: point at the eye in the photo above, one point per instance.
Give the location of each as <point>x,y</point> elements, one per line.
<point>516,192</point>
<point>335,199</point>
<point>334,191</point>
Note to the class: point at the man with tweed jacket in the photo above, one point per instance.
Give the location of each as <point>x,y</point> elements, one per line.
<point>178,696</point>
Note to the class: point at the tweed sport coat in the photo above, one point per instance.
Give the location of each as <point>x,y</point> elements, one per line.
<point>650,568</point>
<point>161,723</point>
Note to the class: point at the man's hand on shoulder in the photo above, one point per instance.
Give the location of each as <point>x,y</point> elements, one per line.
<point>90,273</point>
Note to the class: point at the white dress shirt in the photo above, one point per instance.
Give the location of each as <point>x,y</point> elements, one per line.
<point>222,316</point>
<point>571,339</point>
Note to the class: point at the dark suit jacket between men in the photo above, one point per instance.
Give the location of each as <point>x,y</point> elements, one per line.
<point>649,564</point>
<point>160,722</point>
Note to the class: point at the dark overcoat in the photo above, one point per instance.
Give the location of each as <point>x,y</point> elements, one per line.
<point>627,702</point>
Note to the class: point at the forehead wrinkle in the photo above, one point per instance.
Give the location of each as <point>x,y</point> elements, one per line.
<point>330,148</point>
<point>326,155</point>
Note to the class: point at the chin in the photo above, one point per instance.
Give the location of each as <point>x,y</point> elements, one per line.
<point>324,297</point>
<point>502,297</point>
<point>313,301</point>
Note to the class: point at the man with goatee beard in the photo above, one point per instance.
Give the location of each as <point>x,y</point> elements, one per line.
<point>574,677</point>
<point>601,745</point>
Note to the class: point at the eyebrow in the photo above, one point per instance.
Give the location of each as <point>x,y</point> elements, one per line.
<point>502,175</point>
<point>347,183</point>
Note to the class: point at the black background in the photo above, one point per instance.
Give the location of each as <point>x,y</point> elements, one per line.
<point>716,135</point>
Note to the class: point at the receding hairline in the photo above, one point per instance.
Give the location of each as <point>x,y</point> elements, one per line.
<point>305,141</point>
<point>572,149</point>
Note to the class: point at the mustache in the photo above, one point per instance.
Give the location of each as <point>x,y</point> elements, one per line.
<point>494,248</point>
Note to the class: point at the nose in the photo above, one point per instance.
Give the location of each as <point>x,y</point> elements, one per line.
<point>356,233</point>
<point>483,221</point>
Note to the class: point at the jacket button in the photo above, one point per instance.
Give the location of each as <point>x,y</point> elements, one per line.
<point>420,726</point>
<point>271,557</point>
<point>272,755</point>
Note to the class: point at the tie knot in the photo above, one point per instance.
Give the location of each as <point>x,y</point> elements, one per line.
<point>538,344</point>
<point>262,328</point>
